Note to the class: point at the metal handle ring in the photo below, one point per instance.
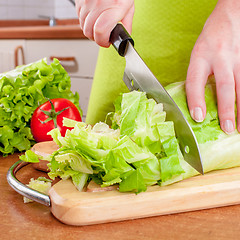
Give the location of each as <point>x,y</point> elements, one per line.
<point>22,188</point>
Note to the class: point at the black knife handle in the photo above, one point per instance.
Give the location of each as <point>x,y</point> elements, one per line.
<point>119,38</point>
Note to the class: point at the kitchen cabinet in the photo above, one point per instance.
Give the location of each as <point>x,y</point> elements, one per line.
<point>78,57</point>
<point>83,86</point>
<point>11,53</point>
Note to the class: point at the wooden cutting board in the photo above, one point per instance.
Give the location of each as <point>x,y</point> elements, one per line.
<point>215,189</point>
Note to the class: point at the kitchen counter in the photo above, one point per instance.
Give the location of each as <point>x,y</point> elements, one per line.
<point>35,221</point>
<point>39,29</point>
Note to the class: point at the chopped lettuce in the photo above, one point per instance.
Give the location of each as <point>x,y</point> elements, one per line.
<point>30,156</point>
<point>22,90</point>
<point>140,148</point>
<point>40,184</point>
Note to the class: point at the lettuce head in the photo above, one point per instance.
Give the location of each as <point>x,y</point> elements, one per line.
<point>22,90</point>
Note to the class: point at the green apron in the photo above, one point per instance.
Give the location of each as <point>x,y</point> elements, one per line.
<point>164,32</point>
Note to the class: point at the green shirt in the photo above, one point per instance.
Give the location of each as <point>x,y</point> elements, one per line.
<point>164,32</point>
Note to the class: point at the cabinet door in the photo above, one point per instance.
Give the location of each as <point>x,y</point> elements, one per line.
<point>11,54</point>
<point>83,87</point>
<point>78,57</point>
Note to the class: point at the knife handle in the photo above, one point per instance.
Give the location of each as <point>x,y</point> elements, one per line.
<point>119,38</point>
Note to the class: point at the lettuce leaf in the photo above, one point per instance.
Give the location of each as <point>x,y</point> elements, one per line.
<point>22,90</point>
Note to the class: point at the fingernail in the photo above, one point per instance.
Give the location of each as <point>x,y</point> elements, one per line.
<point>228,126</point>
<point>197,114</point>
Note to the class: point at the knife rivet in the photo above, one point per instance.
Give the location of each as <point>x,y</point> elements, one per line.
<point>186,149</point>
<point>132,83</point>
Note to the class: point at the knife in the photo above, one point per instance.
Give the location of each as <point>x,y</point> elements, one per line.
<point>137,76</point>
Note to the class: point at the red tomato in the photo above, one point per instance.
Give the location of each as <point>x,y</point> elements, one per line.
<point>50,115</point>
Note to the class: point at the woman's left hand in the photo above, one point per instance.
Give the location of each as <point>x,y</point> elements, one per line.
<point>217,51</point>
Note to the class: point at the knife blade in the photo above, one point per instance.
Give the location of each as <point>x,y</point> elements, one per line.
<point>137,76</point>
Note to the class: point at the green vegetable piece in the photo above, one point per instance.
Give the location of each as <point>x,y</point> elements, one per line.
<point>133,183</point>
<point>41,184</point>
<point>80,180</point>
<point>170,167</point>
<point>30,156</point>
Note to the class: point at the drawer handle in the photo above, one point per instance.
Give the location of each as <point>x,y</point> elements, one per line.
<point>64,59</point>
<point>16,51</point>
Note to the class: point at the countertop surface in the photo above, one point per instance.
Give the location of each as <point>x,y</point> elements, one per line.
<point>35,221</point>
<point>39,29</point>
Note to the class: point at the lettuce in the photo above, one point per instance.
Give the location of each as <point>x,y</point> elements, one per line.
<point>139,151</point>
<point>218,150</point>
<point>140,148</point>
<point>40,184</point>
<point>22,90</point>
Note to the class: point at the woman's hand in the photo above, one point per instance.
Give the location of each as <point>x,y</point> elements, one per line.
<point>98,18</point>
<point>217,51</point>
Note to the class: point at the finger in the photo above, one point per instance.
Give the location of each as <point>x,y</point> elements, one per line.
<point>225,87</point>
<point>82,16</point>
<point>197,75</point>
<point>127,20</point>
<point>105,24</point>
<point>89,22</point>
<point>78,3</point>
<point>90,7</point>
<point>78,6</point>
<point>237,89</point>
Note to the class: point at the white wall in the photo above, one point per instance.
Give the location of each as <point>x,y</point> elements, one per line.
<point>64,9</point>
<point>32,9</point>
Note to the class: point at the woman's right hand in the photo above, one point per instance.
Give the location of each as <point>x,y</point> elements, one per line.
<point>98,18</point>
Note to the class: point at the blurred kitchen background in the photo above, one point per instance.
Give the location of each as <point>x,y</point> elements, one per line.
<point>34,29</point>
<point>32,9</point>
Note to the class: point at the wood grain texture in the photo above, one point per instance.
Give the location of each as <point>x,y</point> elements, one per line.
<point>44,149</point>
<point>35,221</point>
<point>219,188</point>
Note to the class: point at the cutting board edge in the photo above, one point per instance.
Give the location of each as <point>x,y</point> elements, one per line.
<point>102,221</point>
<point>130,206</point>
